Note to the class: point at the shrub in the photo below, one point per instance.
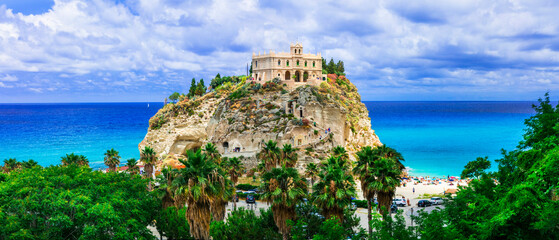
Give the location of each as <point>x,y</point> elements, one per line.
<point>246,187</point>
<point>244,224</point>
<point>172,224</point>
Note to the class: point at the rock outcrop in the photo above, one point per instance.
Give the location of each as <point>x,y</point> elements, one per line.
<point>240,118</point>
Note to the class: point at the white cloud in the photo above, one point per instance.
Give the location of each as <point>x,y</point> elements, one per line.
<point>421,45</point>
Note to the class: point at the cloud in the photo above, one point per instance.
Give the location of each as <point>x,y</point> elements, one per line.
<point>8,78</point>
<point>397,49</point>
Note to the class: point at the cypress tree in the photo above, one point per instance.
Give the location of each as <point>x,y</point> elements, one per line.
<point>192,89</point>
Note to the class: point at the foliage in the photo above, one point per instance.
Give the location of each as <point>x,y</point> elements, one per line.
<point>333,67</point>
<point>12,164</point>
<point>239,93</point>
<point>475,168</point>
<point>174,97</point>
<point>391,228</point>
<point>246,187</point>
<point>244,224</point>
<point>172,224</point>
<point>74,202</point>
<point>197,182</point>
<point>283,188</point>
<point>335,188</point>
<point>112,159</point>
<point>72,158</point>
<point>149,157</point>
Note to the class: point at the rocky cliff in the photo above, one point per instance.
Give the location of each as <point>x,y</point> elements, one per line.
<point>239,118</point>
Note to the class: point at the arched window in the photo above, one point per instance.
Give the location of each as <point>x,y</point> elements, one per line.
<point>305,63</point>
<point>297,62</point>
<point>287,63</point>
<point>313,64</point>
<point>279,62</point>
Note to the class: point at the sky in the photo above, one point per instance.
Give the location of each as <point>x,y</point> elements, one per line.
<point>401,50</point>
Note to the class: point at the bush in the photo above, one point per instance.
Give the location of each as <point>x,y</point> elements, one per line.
<point>239,93</point>
<point>172,224</point>
<point>75,202</point>
<point>360,203</point>
<point>244,224</point>
<point>246,187</point>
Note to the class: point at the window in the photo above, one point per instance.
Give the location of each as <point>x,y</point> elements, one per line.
<point>279,62</point>
<point>255,64</point>
<point>313,64</point>
<point>287,63</point>
<point>305,63</point>
<point>297,62</point>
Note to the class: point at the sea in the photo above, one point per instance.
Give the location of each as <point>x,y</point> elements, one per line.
<point>435,138</point>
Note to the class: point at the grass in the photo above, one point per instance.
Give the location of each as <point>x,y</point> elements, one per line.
<point>249,180</point>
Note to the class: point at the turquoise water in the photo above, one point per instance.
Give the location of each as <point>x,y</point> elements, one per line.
<point>440,138</point>
<point>436,138</point>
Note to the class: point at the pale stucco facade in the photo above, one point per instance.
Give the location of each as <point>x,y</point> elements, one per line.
<point>294,68</point>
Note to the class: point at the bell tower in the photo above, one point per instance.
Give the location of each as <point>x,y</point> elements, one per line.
<point>296,49</point>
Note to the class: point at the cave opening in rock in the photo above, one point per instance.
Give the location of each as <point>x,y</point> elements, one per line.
<point>225,147</point>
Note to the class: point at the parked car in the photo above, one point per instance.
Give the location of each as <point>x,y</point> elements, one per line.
<point>423,203</point>
<point>250,199</point>
<point>393,208</point>
<point>399,202</point>
<point>436,200</point>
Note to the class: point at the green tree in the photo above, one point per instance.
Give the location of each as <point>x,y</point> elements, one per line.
<point>174,97</point>
<point>10,165</point>
<point>200,88</point>
<point>235,168</point>
<point>543,125</point>
<point>335,188</point>
<point>72,158</point>
<point>192,90</point>
<point>331,68</point>
<point>195,182</point>
<point>171,223</point>
<point>132,165</point>
<point>388,176</point>
<point>270,155</point>
<point>476,168</point>
<point>311,171</point>
<point>29,163</point>
<point>340,67</point>
<point>112,159</point>
<point>288,155</point>
<point>364,170</point>
<point>283,189</point>
<point>74,202</point>
<point>244,224</point>
<point>341,153</point>
<point>149,157</point>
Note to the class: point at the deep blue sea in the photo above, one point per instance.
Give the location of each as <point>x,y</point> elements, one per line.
<point>436,138</point>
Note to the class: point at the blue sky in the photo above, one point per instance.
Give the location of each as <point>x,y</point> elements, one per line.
<point>143,50</point>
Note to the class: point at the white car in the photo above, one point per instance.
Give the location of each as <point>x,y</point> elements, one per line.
<point>436,200</point>
<point>399,202</point>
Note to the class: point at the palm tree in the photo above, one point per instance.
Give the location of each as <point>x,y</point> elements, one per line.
<point>311,171</point>
<point>167,190</point>
<point>288,155</point>
<point>364,170</point>
<point>132,165</point>
<point>340,152</point>
<point>387,177</point>
<point>29,163</point>
<point>112,159</point>
<point>283,189</point>
<point>149,158</point>
<point>387,152</point>
<point>211,151</point>
<point>10,165</point>
<point>335,188</point>
<point>235,168</point>
<point>195,181</point>
<point>72,158</point>
<point>219,175</point>
<point>343,155</point>
<point>270,155</point>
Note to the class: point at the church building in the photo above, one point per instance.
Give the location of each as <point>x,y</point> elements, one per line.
<point>294,68</point>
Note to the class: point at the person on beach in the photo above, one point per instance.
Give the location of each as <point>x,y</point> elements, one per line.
<point>413,190</point>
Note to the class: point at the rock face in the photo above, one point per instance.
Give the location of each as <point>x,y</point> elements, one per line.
<point>241,119</point>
